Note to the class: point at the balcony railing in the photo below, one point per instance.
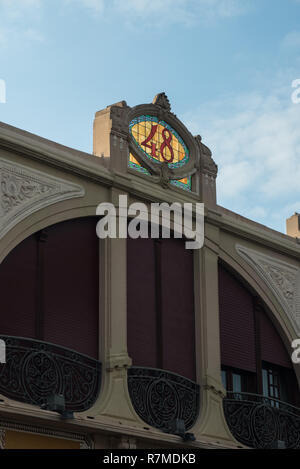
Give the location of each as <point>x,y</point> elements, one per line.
<point>160,397</point>
<point>262,422</point>
<point>35,370</point>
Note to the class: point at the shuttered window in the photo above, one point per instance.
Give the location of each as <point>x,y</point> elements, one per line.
<point>49,287</point>
<point>160,305</point>
<point>141,302</point>
<point>249,339</point>
<point>18,290</point>
<point>177,307</point>
<point>71,286</point>
<point>236,323</point>
<point>272,347</point>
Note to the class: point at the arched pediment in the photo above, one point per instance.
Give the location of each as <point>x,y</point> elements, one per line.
<point>25,190</point>
<point>281,277</point>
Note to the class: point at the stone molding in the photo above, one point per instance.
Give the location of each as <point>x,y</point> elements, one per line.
<point>84,440</point>
<point>24,190</point>
<point>282,278</point>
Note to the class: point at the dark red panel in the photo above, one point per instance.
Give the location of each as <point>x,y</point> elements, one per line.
<point>141,302</point>
<point>18,290</point>
<point>71,285</point>
<point>236,323</point>
<point>177,305</point>
<point>272,347</point>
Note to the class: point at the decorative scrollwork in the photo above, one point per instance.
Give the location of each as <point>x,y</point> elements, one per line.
<point>260,422</point>
<point>159,397</point>
<point>34,370</point>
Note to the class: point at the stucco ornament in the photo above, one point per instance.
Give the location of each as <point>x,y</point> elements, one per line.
<point>24,190</point>
<point>282,278</point>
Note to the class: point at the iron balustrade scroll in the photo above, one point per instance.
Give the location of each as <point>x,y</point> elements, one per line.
<point>35,370</point>
<point>260,422</point>
<point>159,397</point>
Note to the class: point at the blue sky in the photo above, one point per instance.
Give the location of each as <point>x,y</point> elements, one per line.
<point>226,66</point>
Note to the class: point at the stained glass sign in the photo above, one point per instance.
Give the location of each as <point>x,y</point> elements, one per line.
<point>160,143</point>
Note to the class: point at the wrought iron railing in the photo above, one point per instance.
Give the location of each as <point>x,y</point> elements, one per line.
<point>160,397</point>
<point>35,370</point>
<point>262,422</point>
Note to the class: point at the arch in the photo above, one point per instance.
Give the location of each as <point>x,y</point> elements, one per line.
<point>50,286</point>
<point>272,307</point>
<point>42,219</point>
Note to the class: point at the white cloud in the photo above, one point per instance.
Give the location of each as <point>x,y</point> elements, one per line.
<point>33,35</point>
<point>18,20</point>
<point>156,11</point>
<point>255,140</point>
<point>257,213</point>
<point>97,6</point>
<point>15,8</point>
<point>291,40</point>
<point>166,12</point>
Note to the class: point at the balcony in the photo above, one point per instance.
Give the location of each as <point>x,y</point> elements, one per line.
<point>36,370</point>
<point>160,397</point>
<point>262,422</point>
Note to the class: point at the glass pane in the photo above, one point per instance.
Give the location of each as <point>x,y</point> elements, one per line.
<point>224,380</point>
<point>271,376</point>
<point>265,383</point>
<point>236,383</point>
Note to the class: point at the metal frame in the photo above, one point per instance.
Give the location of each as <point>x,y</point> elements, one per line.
<point>260,422</point>
<point>160,397</point>
<point>35,370</point>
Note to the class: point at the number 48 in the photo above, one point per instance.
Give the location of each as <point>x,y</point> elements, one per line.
<point>166,143</point>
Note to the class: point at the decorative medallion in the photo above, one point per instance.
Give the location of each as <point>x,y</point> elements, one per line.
<point>160,397</point>
<point>161,145</point>
<point>159,141</point>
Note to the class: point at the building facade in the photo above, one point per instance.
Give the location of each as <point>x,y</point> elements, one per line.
<point>140,343</point>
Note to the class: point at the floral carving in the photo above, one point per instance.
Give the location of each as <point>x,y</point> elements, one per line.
<point>24,190</point>
<point>282,278</point>
<point>17,189</point>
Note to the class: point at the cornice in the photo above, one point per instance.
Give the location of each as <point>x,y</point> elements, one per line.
<point>250,233</point>
<point>83,425</point>
<point>53,154</point>
<point>90,167</point>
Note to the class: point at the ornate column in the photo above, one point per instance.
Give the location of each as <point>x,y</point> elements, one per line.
<point>114,403</point>
<point>211,424</point>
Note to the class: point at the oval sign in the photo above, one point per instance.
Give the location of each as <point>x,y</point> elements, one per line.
<point>159,141</point>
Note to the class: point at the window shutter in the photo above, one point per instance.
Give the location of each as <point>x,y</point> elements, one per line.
<point>160,305</point>
<point>141,302</point>
<point>236,323</point>
<point>272,347</point>
<point>18,290</point>
<point>177,305</point>
<point>71,285</point>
